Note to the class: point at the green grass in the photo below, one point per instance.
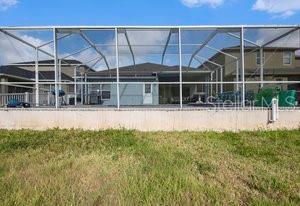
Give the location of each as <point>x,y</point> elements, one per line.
<point>121,167</point>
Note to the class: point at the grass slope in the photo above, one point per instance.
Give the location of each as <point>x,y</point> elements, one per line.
<point>120,167</point>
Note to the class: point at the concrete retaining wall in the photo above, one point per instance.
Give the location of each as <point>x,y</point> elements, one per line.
<point>148,120</point>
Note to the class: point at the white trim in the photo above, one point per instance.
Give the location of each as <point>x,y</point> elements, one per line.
<point>147,95</point>
<point>290,58</point>
<point>144,88</point>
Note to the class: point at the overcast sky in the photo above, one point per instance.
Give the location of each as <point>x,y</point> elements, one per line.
<point>148,12</point>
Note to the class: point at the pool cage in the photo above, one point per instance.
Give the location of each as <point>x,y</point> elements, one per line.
<point>150,66</point>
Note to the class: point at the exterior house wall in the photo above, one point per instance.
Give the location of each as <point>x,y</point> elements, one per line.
<point>130,94</point>
<point>273,60</point>
<point>48,88</point>
<point>230,63</point>
<point>297,62</point>
<point>67,70</point>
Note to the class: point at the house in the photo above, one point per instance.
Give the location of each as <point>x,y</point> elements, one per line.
<point>25,72</point>
<point>153,84</point>
<point>280,64</point>
<point>156,84</point>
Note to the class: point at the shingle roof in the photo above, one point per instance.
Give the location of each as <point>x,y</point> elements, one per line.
<point>49,75</point>
<point>15,71</point>
<point>30,75</point>
<point>145,69</point>
<point>51,61</point>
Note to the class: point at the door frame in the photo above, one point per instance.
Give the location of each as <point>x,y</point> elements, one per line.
<point>145,94</point>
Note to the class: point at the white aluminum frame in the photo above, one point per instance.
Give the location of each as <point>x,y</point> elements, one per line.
<point>57,62</point>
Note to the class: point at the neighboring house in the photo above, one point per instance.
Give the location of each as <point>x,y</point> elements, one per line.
<point>156,84</point>
<point>48,65</point>
<point>25,72</point>
<point>280,64</point>
<point>16,74</point>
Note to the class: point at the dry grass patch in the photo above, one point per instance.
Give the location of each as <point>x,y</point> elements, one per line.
<point>73,167</point>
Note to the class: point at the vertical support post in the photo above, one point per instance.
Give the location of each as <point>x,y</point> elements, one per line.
<point>262,62</point>
<point>206,88</point>
<point>242,45</point>
<point>26,97</point>
<point>221,79</point>
<point>217,80</point>
<point>85,89</point>
<point>82,90</point>
<point>2,85</point>
<point>59,74</point>
<point>55,68</point>
<point>180,66</point>
<point>237,76</point>
<point>37,89</point>
<point>49,97</point>
<point>75,85</point>
<point>117,66</point>
<point>211,85</point>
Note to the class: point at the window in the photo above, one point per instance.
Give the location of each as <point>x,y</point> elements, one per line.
<point>148,89</point>
<point>199,88</point>
<point>105,95</point>
<point>258,57</point>
<point>287,58</point>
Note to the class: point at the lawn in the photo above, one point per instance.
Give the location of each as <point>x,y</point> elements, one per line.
<point>121,167</point>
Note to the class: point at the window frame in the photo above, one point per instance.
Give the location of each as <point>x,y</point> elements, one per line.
<point>284,57</point>
<point>145,87</point>
<point>105,99</point>
<point>199,88</point>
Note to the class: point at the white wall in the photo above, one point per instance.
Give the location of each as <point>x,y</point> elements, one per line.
<point>147,120</point>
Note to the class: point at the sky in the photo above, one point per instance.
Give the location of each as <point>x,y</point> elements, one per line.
<point>141,12</point>
<point>148,12</point>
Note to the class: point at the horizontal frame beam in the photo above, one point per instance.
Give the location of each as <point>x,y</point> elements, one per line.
<point>147,82</point>
<point>147,27</point>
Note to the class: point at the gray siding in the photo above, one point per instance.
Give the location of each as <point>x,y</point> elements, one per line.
<point>130,94</point>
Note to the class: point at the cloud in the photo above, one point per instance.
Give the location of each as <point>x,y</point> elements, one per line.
<point>15,51</point>
<point>144,45</point>
<point>6,4</point>
<point>198,3</point>
<point>278,8</point>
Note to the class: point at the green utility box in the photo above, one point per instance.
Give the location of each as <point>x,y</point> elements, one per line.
<point>286,98</point>
<point>264,97</point>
